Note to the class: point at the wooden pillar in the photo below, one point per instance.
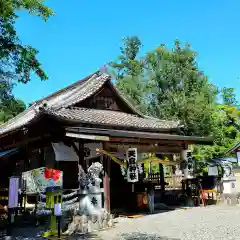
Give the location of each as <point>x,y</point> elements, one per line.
<point>185,161</point>
<point>42,153</point>
<point>162,180</point>
<point>25,158</point>
<point>81,154</point>
<point>106,181</point>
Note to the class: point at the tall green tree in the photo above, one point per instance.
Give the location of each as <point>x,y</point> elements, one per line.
<point>128,70</point>
<point>17,60</point>
<point>167,84</point>
<point>173,87</point>
<point>179,90</point>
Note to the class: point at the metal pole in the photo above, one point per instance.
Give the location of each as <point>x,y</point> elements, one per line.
<point>58,225</point>
<point>10,222</point>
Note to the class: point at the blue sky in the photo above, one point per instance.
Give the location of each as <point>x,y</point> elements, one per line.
<point>86,34</point>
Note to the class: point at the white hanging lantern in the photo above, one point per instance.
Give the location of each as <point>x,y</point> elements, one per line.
<point>132,171</point>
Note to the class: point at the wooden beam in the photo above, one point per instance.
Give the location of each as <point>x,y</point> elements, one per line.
<point>116,133</point>
<point>42,153</point>
<point>23,142</point>
<point>86,136</point>
<point>75,149</point>
<point>143,148</point>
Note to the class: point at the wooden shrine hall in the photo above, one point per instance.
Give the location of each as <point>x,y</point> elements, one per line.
<point>89,111</point>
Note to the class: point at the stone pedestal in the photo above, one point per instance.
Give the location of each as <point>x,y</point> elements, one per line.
<point>230,191</point>
<point>86,224</point>
<point>90,202</point>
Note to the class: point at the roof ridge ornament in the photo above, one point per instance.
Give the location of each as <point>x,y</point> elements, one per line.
<point>43,106</point>
<point>104,69</point>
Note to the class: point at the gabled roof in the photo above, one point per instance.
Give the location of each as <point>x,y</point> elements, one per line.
<point>60,103</point>
<point>76,92</point>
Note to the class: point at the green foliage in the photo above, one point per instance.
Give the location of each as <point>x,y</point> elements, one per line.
<point>127,63</point>
<point>128,71</point>
<point>167,84</point>
<point>10,108</point>
<point>228,96</point>
<point>225,131</point>
<point>176,87</point>
<point>8,8</point>
<point>17,61</point>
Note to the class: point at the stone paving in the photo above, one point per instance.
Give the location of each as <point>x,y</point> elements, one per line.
<point>213,222</point>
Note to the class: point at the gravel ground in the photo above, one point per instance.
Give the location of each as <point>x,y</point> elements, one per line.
<point>212,223</point>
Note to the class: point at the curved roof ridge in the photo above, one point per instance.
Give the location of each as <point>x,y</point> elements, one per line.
<point>79,82</point>
<point>88,89</point>
<point>19,120</point>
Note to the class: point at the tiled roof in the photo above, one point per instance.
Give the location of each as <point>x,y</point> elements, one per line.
<point>20,120</point>
<point>60,104</point>
<point>113,118</point>
<point>66,97</point>
<point>76,92</point>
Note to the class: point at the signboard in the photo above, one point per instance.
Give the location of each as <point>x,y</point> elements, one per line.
<point>132,171</point>
<point>37,180</point>
<point>13,192</point>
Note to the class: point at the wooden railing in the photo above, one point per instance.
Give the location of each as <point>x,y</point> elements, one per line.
<point>154,177</point>
<point>172,181</point>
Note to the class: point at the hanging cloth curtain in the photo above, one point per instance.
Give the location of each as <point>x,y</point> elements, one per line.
<point>64,153</point>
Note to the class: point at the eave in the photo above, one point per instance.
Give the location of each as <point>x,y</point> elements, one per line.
<point>114,133</point>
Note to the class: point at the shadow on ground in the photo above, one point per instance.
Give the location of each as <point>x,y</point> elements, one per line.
<point>125,236</point>
<point>34,235</point>
<point>144,236</point>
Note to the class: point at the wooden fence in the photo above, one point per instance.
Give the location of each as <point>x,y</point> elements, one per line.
<point>173,182</point>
